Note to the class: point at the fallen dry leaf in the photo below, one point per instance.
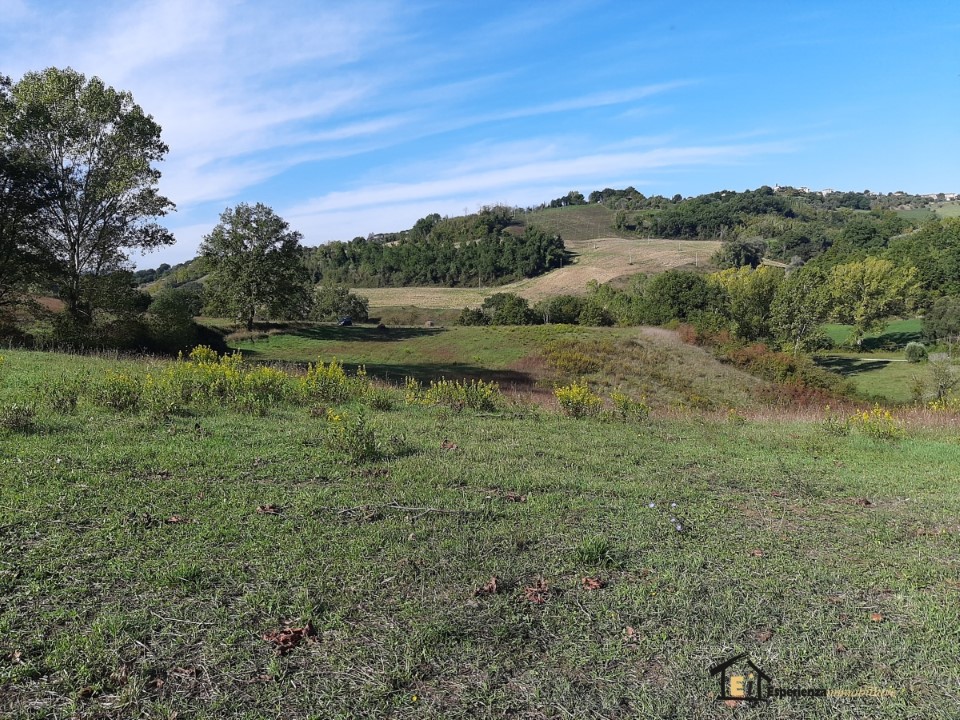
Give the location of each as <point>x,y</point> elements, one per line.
<point>840,648</point>
<point>591,583</point>
<point>447,445</point>
<point>876,617</point>
<point>756,552</point>
<point>488,588</point>
<point>537,593</point>
<point>629,634</point>
<point>287,638</point>
<point>269,509</point>
<point>763,635</point>
<point>731,703</point>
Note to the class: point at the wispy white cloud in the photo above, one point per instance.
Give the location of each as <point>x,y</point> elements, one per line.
<point>252,94</point>
<point>506,174</point>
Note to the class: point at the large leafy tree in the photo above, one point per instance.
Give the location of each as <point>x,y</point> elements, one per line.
<point>749,296</point>
<point>257,265</point>
<point>24,190</point>
<point>98,150</point>
<point>331,302</point>
<point>867,292</point>
<point>801,305</point>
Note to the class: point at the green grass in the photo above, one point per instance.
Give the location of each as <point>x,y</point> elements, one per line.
<point>950,209</point>
<point>422,353</point>
<point>578,223</point>
<point>643,363</point>
<point>138,578</point>
<point>873,374</point>
<point>917,214</point>
<point>892,338</point>
<point>876,379</point>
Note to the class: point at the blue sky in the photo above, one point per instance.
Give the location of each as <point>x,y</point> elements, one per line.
<point>357,117</point>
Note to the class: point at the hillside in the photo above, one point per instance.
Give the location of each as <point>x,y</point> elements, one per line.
<point>647,362</point>
<point>602,259</point>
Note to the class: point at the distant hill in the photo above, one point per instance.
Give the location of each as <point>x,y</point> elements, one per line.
<point>559,246</point>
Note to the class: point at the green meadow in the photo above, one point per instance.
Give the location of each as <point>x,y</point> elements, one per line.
<point>171,546</point>
<point>880,372</point>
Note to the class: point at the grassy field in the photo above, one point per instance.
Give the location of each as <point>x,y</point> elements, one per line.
<point>949,209</point>
<point>645,362</point>
<point>210,563</point>
<point>880,372</point>
<point>917,214</point>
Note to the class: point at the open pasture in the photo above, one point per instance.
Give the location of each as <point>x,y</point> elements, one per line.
<point>212,563</point>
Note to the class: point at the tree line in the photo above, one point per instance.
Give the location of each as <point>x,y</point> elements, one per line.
<point>487,248</point>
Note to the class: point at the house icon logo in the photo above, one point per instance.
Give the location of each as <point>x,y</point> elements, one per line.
<point>740,679</point>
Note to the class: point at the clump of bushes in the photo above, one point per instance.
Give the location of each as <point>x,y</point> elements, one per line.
<point>18,418</point>
<point>878,423</point>
<point>473,394</point>
<point>330,383</point>
<point>351,438</point>
<point>915,352</point>
<point>119,390</point>
<point>627,409</point>
<point>576,400</point>
<point>203,379</point>
<point>573,357</point>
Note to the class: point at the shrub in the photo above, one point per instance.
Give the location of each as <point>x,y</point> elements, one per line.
<point>163,393</point>
<point>577,401</point>
<point>63,394</point>
<point>578,357</point>
<point>945,404</point>
<point>119,391</point>
<point>629,409</point>
<point>471,316</point>
<point>562,309</point>
<point>835,423</point>
<point>412,392</point>
<point>595,315</point>
<point>380,399</point>
<point>475,394</point>
<point>351,438</point>
<point>331,302</point>
<point>331,383</point>
<point>509,309</point>
<point>204,355</point>
<point>170,318</point>
<point>877,423</point>
<point>915,352</point>
<point>18,418</point>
